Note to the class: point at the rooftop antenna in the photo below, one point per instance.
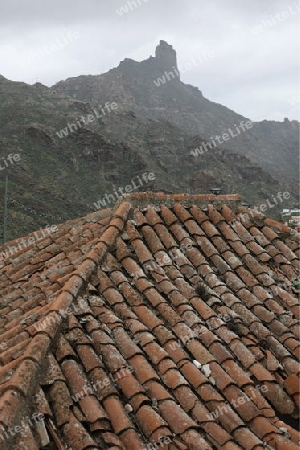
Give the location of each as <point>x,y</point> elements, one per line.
<point>216,191</point>
<point>246,204</point>
<point>5,211</point>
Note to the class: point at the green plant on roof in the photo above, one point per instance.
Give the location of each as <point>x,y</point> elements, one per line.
<point>297,284</point>
<point>201,290</point>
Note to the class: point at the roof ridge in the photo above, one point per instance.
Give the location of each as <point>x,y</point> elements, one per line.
<point>38,349</point>
<point>219,285</point>
<point>99,215</point>
<point>260,219</point>
<point>83,273</point>
<point>156,198</point>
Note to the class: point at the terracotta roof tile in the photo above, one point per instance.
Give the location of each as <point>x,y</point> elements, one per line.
<point>209,394</point>
<point>207,248</point>
<point>195,441</point>
<point>127,347</point>
<point>209,229</point>
<point>277,225</point>
<point>151,238</point>
<point>245,408</point>
<point>217,434</point>
<point>142,284</point>
<point>240,249</point>
<point>227,213</point>
<point>117,415</point>
<point>279,399</point>
<point>262,427</point>
<point>199,352</point>
<point>88,357</point>
<point>175,351</point>
<point>173,379</point>
<point>92,409</point>
<point>74,375</point>
<point>233,282</point>
<point>220,376</point>
<point>228,232</point>
<point>193,228</point>
<point>255,267</point>
<point>232,446</point>
<point>165,237</point>
<point>247,438</point>
<point>188,309</point>
<point>229,420</point>
<point>76,435</point>
<point>177,419</point>
<point>9,404</point>
<point>198,214</point>
<point>149,420</point>
<point>143,370</point>
<point>269,233</point>
<point>292,384</point>
<point>130,439</point>
<point>139,217</point>
<point>255,248</point>
<point>14,352</point>
<point>193,375</point>
<point>283,444</point>
<point>60,401</point>
<point>26,440</point>
<point>157,391</point>
<point>214,215</point>
<point>167,215</point>
<point>247,277</point>
<point>181,212</point>
<point>104,389</point>
<point>152,216</point>
<point>222,246</point>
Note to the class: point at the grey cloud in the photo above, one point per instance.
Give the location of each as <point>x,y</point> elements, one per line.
<point>254,74</point>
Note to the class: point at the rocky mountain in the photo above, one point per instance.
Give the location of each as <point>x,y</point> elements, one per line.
<point>152,89</point>
<point>70,149</point>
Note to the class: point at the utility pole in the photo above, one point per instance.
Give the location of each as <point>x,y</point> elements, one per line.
<point>5,211</point>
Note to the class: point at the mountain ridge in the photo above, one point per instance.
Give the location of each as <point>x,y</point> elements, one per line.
<point>62,178</point>
<point>185,106</point>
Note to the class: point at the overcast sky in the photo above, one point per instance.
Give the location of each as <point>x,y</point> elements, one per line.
<point>255,73</point>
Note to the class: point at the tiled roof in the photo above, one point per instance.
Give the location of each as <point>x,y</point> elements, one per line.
<point>171,320</point>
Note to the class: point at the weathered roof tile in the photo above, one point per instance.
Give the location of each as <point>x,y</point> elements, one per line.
<point>170,323</point>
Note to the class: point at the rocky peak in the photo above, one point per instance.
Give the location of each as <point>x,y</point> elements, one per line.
<point>166,56</point>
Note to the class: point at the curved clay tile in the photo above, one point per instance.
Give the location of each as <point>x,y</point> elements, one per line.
<point>170,321</point>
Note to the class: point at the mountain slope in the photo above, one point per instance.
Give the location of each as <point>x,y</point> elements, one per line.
<point>273,145</point>
<point>62,178</point>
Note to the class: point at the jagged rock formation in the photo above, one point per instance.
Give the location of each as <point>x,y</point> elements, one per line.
<point>166,56</point>
<point>273,145</point>
<point>64,177</point>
